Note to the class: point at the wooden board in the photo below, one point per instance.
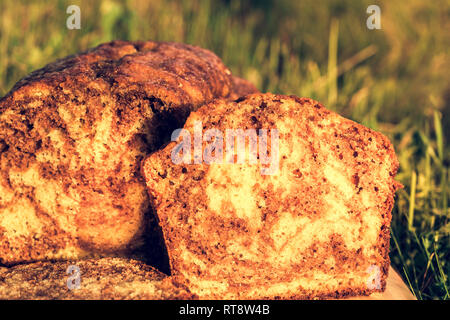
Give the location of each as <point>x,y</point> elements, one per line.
<point>396,289</point>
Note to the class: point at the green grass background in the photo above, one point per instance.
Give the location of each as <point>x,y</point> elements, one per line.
<point>395,80</point>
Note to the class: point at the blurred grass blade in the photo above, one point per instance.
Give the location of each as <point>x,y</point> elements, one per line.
<point>332,62</point>
<point>412,200</point>
<point>439,135</point>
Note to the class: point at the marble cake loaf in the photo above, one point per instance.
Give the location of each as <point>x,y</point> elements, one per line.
<point>91,279</point>
<point>72,137</point>
<point>316,225</point>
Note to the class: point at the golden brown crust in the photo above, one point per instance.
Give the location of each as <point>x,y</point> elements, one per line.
<point>72,136</point>
<point>317,229</point>
<point>241,87</point>
<point>106,278</point>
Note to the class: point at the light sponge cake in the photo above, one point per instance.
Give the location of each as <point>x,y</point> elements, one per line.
<point>92,279</point>
<point>316,226</point>
<point>72,137</point>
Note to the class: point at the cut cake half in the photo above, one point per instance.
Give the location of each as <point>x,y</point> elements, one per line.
<point>316,225</point>
<point>72,137</point>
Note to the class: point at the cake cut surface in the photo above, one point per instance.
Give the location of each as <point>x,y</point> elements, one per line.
<point>316,227</point>
<point>99,279</point>
<point>72,137</point>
